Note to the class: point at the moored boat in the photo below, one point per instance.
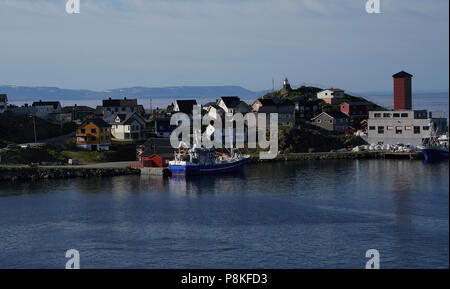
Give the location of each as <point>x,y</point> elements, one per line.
<point>435,153</point>
<point>202,161</point>
<point>436,149</point>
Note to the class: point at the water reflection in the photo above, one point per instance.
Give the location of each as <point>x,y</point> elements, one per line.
<point>210,184</point>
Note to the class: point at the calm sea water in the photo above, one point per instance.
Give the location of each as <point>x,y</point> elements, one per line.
<point>434,101</point>
<point>322,214</point>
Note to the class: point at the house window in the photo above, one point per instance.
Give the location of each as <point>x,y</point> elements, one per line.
<point>381,129</point>
<point>398,130</point>
<point>426,128</point>
<point>390,128</point>
<point>407,128</point>
<point>319,121</point>
<point>331,121</point>
<point>93,130</point>
<point>416,129</point>
<point>377,115</point>
<point>396,115</point>
<point>386,115</point>
<point>371,128</point>
<point>404,115</point>
<point>83,130</point>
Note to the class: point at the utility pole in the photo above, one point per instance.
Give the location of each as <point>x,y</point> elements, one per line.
<point>34,126</point>
<point>273,85</point>
<point>151,109</point>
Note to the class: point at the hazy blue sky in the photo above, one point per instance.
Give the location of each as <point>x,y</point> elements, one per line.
<point>122,43</point>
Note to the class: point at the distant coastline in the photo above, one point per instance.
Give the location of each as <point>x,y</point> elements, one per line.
<point>163,96</point>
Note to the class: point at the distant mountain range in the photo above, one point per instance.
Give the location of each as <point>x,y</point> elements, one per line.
<point>23,93</point>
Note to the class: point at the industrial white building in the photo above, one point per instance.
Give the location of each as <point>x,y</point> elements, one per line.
<point>404,126</point>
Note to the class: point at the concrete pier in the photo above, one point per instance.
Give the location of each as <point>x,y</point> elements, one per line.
<point>155,171</point>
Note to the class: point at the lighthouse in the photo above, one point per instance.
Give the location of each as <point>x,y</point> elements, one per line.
<point>286,88</point>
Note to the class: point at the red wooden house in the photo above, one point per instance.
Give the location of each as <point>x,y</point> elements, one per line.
<point>155,152</point>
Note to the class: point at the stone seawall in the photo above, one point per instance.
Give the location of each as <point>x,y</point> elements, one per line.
<point>339,156</point>
<point>29,173</point>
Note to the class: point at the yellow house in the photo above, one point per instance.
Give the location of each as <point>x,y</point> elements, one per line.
<point>94,134</point>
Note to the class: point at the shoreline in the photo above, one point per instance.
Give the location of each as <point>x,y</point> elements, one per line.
<point>22,172</point>
<point>45,173</point>
<point>340,156</point>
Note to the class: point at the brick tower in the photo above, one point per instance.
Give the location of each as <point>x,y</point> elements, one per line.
<point>402,91</point>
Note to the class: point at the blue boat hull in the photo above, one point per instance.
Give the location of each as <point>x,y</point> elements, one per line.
<point>194,170</point>
<point>435,154</point>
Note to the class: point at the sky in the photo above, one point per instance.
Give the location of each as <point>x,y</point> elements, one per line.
<point>127,43</point>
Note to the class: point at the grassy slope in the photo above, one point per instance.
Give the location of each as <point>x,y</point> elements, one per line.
<point>19,129</point>
<point>120,151</point>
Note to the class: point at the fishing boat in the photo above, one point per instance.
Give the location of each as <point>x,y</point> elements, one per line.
<point>202,161</point>
<point>437,149</point>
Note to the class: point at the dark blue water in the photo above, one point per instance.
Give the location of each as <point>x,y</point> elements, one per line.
<point>324,214</point>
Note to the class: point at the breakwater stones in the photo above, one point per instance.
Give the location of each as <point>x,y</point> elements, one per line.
<point>29,173</point>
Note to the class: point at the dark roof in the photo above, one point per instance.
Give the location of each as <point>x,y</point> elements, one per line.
<point>275,101</point>
<point>119,102</point>
<point>359,102</point>
<point>124,117</point>
<point>402,74</point>
<point>3,97</point>
<point>186,105</point>
<point>266,101</point>
<point>230,101</point>
<point>283,101</point>
<point>46,103</point>
<point>159,146</point>
<point>237,103</point>
<point>76,108</point>
<point>336,114</point>
<point>97,121</point>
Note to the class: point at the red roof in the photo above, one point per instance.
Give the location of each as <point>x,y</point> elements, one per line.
<point>336,90</point>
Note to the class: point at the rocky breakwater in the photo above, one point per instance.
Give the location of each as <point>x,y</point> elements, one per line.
<point>30,173</point>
